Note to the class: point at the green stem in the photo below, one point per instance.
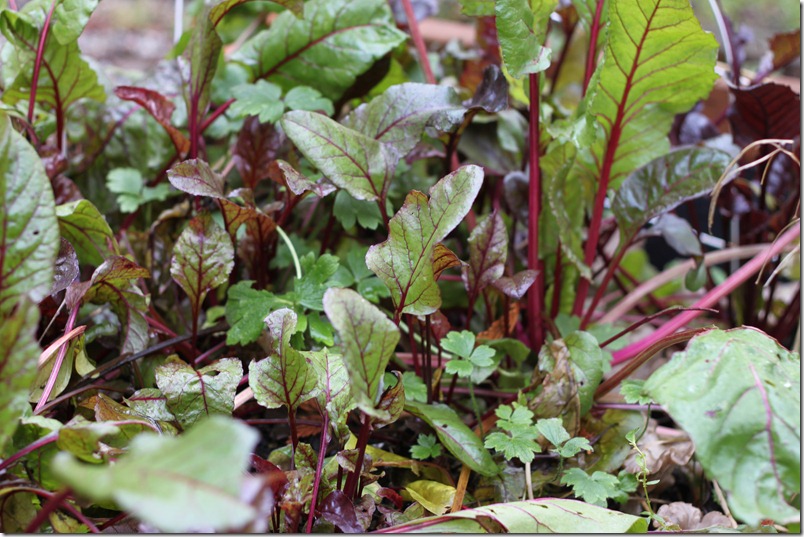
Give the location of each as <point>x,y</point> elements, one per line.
<point>292,249</point>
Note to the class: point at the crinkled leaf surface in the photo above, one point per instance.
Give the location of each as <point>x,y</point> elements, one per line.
<point>29,234</point>
<point>284,377</point>
<point>522,29</point>
<point>665,183</point>
<point>192,395</point>
<point>368,338</point>
<point>738,395</point>
<point>545,515</point>
<point>333,43</point>
<point>404,262</point>
<point>488,250</point>
<point>353,161</point>
<point>81,223</point>
<point>455,436</point>
<point>196,177</point>
<point>177,484</point>
<point>203,257</point>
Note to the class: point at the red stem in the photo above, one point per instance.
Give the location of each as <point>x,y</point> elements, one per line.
<point>709,299</point>
<point>33,446</point>
<point>610,270</point>
<point>54,373</point>
<point>536,292</point>
<point>215,115</point>
<point>418,41</point>
<point>591,56</point>
<point>322,452</point>
<point>40,51</point>
<point>350,488</point>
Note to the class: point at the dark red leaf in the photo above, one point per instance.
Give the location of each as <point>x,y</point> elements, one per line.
<point>66,267</point>
<point>160,108</point>
<point>392,495</point>
<point>764,111</point>
<point>65,190</point>
<point>257,146</point>
<point>339,510</point>
<point>492,93</point>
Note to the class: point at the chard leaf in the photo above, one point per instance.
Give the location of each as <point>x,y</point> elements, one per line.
<point>76,79</point>
<point>455,436</point>
<point>522,29</point>
<point>488,250</point>
<point>18,354</point>
<point>69,19</point>
<point>368,338</point>
<point>196,177</point>
<point>738,395</point>
<point>658,62</point>
<point>160,107</point>
<point>170,483</point>
<point>29,234</point>
<point>763,111</point>
<point>352,161</point>
<point>517,285</point>
<point>256,149</point>
<point>664,184</point>
<point>284,377</point>
<point>201,57</point>
<point>401,114</point>
<point>193,395</point>
<point>334,395</point>
<point>404,262</point>
<point>327,49</point>
<point>203,257</point>
<point>222,8</point>
<point>86,228</point>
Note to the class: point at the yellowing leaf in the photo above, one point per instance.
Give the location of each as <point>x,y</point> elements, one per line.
<point>434,496</point>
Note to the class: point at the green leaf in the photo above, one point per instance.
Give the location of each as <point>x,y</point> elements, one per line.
<point>595,488</point>
<point>63,375</point>
<point>738,395</point>
<point>132,192</point>
<point>514,446</point>
<point>327,49</point>
<point>426,447</point>
<point>455,436</point>
<point>399,117</point>
<point>69,19</point>
<point>171,484</point>
<point>488,250</point>
<point>203,257</point>
<point>75,78</point>
<point>522,30</point>
<point>548,515</point>
<point>284,377</point>
<point>195,394</point>
<point>434,496</point>
<point>222,8</point>
<point>309,289</point>
<point>404,262</point>
<point>352,161</point>
<point>85,227</point>
<point>658,62</point>
<point>261,99</point>
<point>150,402</point>
<point>201,54</point>
<point>462,368</point>
<point>665,183</point>
<point>588,363</point>
<point>246,310</point>
<point>573,446</point>
<point>415,388</point>
<point>333,392</point>
<point>306,98</point>
<point>633,392</point>
<point>18,354</point>
<point>477,8</point>
<point>368,338</point>
<point>553,430</point>
<point>29,236</point>
<point>461,343</point>
<point>350,211</point>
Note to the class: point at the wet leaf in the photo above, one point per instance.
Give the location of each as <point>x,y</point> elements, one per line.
<point>284,377</point>
<point>203,257</point>
<point>434,496</point>
<point>404,261</point>
<point>195,177</point>
<point>327,48</point>
<point>339,510</point>
<point>455,436</point>
<point>192,395</point>
<point>368,338</point>
<point>160,108</point>
<point>763,111</point>
<point>522,29</point>
<point>85,227</point>
<point>737,394</point>
<point>66,268</point>
<point>488,250</point>
<point>517,285</point>
<point>170,483</point>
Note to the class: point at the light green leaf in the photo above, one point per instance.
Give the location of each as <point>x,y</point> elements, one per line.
<point>150,402</point>
<point>415,388</point>
<point>477,8</point>
<point>350,211</point>
<point>553,430</point>
<point>404,262</point>
<point>426,447</point>
<point>195,394</point>
<point>261,99</point>
<point>170,483</point>
<point>333,392</point>
<point>595,488</point>
<point>69,19</point>
<point>284,377</point>
<point>86,228</point>
<point>522,30</point>
<point>573,446</point>
<point>434,496</point>
<point>327,49</point>
<point>132,192</point>
<point>246,309</point>
<point>306,98</point>
<point>738,395</point>
<point>309,289</point>
<point>368,338</point>
<point>222,8</point>
<point>461,343</point>
<point>513,446</point>
<point>351,160</point>
<point>455,436</point>
<point>545,515</point>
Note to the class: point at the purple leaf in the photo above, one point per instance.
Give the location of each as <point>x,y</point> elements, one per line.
<point>517,285</point>
<point>488,250</point>
<point>256,148</point>
<point>763,111</point>
<point>195,177</point>
<point>160,108</point>
<point>339,510</point>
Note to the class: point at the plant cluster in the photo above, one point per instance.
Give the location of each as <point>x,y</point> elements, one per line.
<point>310,275</point>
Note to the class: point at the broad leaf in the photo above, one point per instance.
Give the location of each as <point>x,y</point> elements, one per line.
<point>159,107</point>
<point>284,377</point>
<point>404,262</point>
<point>29,234</point>
<point>261,99</point>
<point>368,338</point>
<point>203,257</point>
<point>327,49</point>
<point>172,484</point>
<point>256,148</point>
<point>517,285</point>
<point>353,161</point>
<point>222,8</point>
<point>455,436</point>
<point>434,496</point>
<point>738,395</point>
<point>196,177</point>
<point>522,29</point>
<point>192,395</point>
<point>763,111</point>
<point>595,488</point>
<point>587,360</point>
<point>665,183</point>
<point>401,114</point>
<point>545,515</point>
<point>246,310</point>
<point>85,227</point>
<point>18,354</point>
<point>488,250</point>
<point>69,19</point>
<point>334,395</point>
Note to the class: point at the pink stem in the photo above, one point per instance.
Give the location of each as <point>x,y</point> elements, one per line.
<point>709,299</point>
<point>413,26</point>
<point>40,51</point>
<point>322,452</point>
<point>54,373</point>
<point>536,292</point>
<point>591,55</point>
